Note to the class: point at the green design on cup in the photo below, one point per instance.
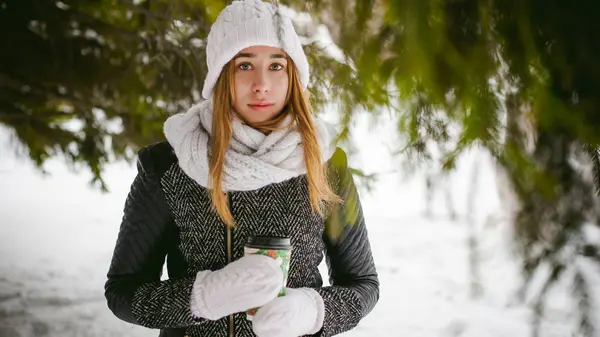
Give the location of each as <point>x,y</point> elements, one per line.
<point>282,255</point>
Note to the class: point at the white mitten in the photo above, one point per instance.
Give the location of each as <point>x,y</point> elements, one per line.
<point>246,283</point>
<point>300,312</point>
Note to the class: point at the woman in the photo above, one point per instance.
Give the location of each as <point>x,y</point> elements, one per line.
<point>250,160</point>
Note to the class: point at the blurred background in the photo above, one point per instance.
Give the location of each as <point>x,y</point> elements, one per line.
<point>473,128</point>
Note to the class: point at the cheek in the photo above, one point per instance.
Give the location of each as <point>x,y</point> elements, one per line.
<point>282,84</point>
<point>241,86</point>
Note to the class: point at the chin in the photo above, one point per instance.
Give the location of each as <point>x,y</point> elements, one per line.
<point>259,116</point>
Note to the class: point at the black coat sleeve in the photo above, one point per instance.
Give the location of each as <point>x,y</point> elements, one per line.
<point>354,289</point>
<point>134,291</point>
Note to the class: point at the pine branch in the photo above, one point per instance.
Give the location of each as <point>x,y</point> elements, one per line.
<point>153,14</point>
<point>594,154</point>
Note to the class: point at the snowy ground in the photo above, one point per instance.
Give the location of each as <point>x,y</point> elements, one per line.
<point>57,235</point>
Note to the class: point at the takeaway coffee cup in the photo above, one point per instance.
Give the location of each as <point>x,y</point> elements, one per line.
<point>278,248</point>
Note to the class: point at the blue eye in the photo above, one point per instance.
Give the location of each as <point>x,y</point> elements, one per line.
<point>245,66</point>
<point>276,67</point>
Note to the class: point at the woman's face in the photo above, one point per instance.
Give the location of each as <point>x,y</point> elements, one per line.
<point>261,83</point>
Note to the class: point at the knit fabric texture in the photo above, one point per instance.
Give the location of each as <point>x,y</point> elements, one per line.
<point>250,23</point>
<point>253,160</point>
<point>300,312</point>
<point>249,282</point>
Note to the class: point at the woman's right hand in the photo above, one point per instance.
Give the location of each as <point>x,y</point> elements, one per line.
<point>249,282</point>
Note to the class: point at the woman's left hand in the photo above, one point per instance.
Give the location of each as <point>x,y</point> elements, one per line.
<point>300,312</point>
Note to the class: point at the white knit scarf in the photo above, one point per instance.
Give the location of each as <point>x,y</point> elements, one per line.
<point>253,159</point>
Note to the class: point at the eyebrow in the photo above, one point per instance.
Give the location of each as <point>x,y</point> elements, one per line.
<point>252,55</point>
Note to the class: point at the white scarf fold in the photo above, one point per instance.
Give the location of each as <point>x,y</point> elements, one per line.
<point>253,159</point>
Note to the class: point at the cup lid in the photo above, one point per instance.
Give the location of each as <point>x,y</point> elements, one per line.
<point>269,242</point>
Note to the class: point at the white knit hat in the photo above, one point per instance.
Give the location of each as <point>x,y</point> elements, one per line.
<point>247,23</point>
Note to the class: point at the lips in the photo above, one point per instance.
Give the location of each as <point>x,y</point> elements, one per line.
<point>264,104</point>
<point>261,105</point>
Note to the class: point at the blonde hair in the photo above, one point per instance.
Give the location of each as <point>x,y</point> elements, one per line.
<point>298,106</point>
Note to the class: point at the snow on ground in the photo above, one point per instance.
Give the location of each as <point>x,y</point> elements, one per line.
<point>57,235</point>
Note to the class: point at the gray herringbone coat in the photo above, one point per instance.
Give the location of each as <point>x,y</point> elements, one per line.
<point>167,214</point>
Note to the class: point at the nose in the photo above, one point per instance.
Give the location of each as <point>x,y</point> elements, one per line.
<point>261,83</point>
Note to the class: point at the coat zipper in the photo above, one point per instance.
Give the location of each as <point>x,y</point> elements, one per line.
<point>229,261</point>
<point>229,258</point>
